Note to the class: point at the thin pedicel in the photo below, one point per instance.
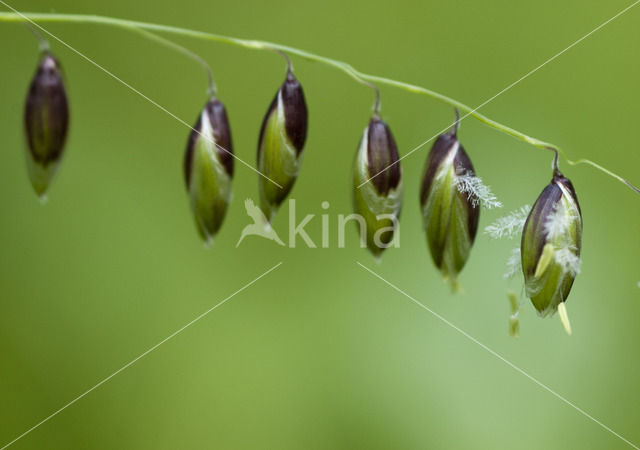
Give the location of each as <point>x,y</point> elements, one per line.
<point>213,89</point>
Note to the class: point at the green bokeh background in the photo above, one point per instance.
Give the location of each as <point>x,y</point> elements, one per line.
<point>319,353</point>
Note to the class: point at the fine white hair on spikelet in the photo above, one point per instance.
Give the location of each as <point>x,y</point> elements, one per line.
<point>557,223</point>
<point>514,263</point>
<point>510,225</point>
<point>477,192</point>
<point>568,259</point>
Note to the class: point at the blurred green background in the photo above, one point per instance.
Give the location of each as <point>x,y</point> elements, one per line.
<point>319,353</point>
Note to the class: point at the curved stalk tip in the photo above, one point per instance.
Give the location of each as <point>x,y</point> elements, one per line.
<point>456,124</point>
<point>212,88</point>
<point>287,59</point>
<point>554,165</point>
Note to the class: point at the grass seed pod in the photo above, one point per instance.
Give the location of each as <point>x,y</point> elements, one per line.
<point>46,120</point>
<point>551,245</point>
<point>208,168</point>
<point>282,137</point>
<point>377,186</point>
<point>450,215</point>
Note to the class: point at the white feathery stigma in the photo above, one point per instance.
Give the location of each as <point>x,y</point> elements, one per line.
<point>514,263</point>
<point>510,225</point>
<point>477,192</point>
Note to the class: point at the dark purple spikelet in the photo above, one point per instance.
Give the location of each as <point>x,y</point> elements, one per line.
<point>377,187</point>
<point>46,120</point>
<point>219,123</point>
<point>208,168</point>
<point>295,111</point>
<point>382,157</point>
<point>551,245</point>
<point>450,204</point>
<point>282,137</point>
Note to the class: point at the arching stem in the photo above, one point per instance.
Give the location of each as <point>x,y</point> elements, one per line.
<point>348,69</point>
<point>604,170</point>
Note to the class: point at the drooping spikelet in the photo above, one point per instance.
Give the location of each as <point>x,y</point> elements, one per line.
<point>377,185</point>
<point>46,120</point>
<point>551,245</point>
<point>282,137</point>
<point>450,198</point>
<point>208,168</point>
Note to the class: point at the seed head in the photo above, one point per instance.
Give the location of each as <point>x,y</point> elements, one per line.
<point>451,196</point>
<point>208,168</point>
<point>282,137</point>
<point>551,244</point>
<point>377,185</point>
<point>46,119</point>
